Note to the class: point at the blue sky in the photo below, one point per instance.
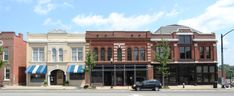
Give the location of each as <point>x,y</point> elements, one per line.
<point>41,16</point>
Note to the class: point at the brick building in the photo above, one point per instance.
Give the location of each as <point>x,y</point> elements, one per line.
<point>14,54</point>
<point>193,55</point>
<point>121,57</point>
<point>125,57</point>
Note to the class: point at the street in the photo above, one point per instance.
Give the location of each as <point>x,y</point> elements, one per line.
<point>82,92</point>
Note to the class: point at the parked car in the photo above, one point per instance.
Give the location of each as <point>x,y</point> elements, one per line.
<point>147,84</point>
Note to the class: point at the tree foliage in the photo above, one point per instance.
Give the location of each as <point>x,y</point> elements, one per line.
<point>163,58</point>
<point>90,63</point>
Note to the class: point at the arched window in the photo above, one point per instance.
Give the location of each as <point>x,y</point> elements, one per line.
<point>136,55</point>
<point>103,54</point>
<point>142,54</point>
<point>60,54</point>
<point>109,55</point>
<point>129,54</point>
<point>119,54</point>
<point>54,54</point>
<point>95,52</point>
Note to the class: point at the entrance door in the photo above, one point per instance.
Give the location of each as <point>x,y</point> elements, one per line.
<point>108,81</point>
<point>60,78</point>
<point>57,77</point>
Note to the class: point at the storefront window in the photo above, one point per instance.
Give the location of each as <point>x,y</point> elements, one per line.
<point>37,77</point>
<point>76,76</point>
<point>97,77</point>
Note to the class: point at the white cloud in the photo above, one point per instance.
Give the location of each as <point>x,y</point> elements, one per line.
<point>117,21</point>
<point>43,7</point>
<point>216,17</point>
<point>56,24</point>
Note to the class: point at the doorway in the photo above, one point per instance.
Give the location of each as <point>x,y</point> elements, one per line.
<point>57,77</point>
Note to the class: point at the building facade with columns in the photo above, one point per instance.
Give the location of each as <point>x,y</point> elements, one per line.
<point>55,58</point>
<point>193,55</point>
<point>14,58</point>
<point>122,57</point>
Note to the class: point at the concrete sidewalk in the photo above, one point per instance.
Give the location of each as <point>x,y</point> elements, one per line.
<point>39,88</point>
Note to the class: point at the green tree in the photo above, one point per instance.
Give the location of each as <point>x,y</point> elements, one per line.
<point>90,64</point>
<point>163,58</point>
<point>1,61</point>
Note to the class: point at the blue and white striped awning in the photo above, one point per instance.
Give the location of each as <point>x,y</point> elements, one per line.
<point>75,68</point>
<point>36,69</point>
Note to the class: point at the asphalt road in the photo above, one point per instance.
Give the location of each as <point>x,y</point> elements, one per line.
<point>222,92</point>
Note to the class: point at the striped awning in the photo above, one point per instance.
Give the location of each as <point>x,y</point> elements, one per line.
<point>36,69</point>
<point>75,68</point>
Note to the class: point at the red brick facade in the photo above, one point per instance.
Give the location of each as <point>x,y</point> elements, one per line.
<point>17,58</point>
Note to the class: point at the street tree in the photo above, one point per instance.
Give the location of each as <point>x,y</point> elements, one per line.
<point>90,63</point>
<point>162,56</point>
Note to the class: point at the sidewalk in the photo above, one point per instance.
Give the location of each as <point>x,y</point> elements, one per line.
<point>39,88</point>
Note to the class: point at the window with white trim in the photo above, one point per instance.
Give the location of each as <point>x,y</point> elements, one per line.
<point>77,54</point>
<point>5,54</point>
<point>54,55</point>
<point>60,54</point>
<point>38,54</point>
<point>7,73</point>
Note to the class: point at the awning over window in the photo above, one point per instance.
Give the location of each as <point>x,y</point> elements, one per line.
<point>75,68</point>
<point>36,69</point>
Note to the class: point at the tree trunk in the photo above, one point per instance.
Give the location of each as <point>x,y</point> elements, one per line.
<point>163,81</point>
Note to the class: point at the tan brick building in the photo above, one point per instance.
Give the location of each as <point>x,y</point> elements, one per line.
<point>55,57</point>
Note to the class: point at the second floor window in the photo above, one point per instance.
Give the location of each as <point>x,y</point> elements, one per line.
<point>5,54</point>
<point>119,54</point>
<point>129,54</point>
<point>109,54</point>
<point>95,52</point>
<point>103,54</point>
<point>38,54</point>
<point>205,52</point>
<point>185,53</point>
<point>54,55</point>
<point>60,54</point>
<point>142,54</point>
<point>77,54</point>
<point>136,54</point>
<point>159,51</point>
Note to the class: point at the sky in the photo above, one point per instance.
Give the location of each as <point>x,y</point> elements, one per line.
<point>42,16</point>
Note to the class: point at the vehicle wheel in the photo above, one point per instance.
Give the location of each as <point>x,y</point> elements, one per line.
<point>138,89</point>
<point>156,89</point>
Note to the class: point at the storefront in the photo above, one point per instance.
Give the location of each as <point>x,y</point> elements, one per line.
<point>118,74</point>
<point>190,74</point>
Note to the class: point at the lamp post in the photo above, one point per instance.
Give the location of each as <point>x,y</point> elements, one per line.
<point>222,36</point>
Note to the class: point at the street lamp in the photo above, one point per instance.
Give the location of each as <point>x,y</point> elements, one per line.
<point>222,36</point>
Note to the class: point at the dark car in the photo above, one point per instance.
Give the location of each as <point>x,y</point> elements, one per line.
<point>147,84</point>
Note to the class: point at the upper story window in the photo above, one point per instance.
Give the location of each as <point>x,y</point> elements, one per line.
<point>205,52</point>
<point>54,55</point>
<point>142,54</point>
<point>38,54</point>
<point>95,52</point>
<point>119,54</point>
<point>185,53</point>
<point>5,54</point>
<point>136,54</point>
<point>185,39</point>
<point>60,54</point>
<point>109,54</point>
<point>208,52</point>
<point>129,54</point>
<point>103,54</point>
<point>77,54</point>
